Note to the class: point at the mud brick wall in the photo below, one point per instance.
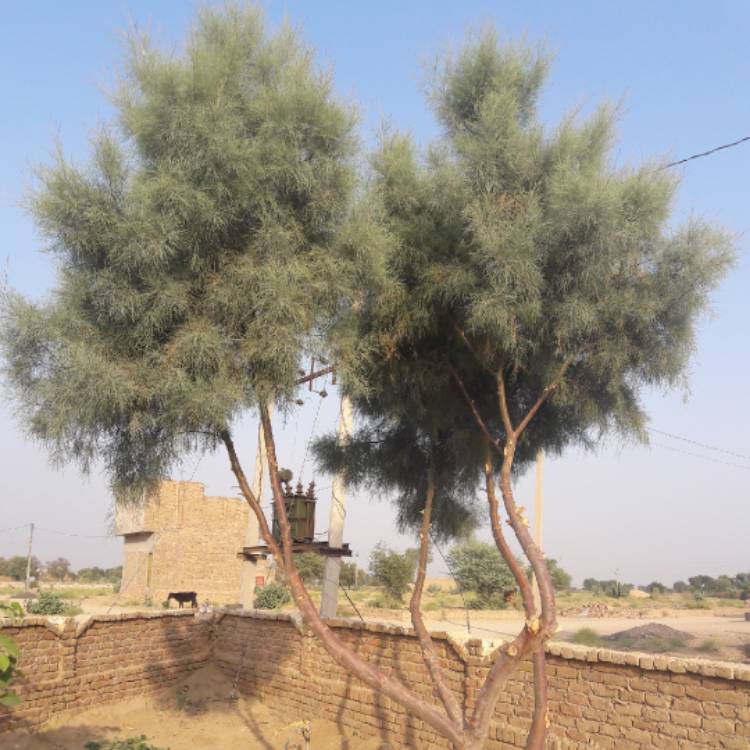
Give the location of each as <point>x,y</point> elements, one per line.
<point>103,660</point>
<point>598,698</point>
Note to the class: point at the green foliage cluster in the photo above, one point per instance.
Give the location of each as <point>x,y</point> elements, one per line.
<point>609,587</point>
<point>586,637</point>
<point>131,743</point>
<point>655,588</point>
<point>58,569</point>
<point>272,596</point>
<point>723,586</point>
<point>46,604</point>
<point>100,575</point>
<point>15,567</point>
<point>200,255</point>
<point>516,250</point>
<point>11,609</point>
<point>392,570</point>
<point>8,671</point>
<point>480,568</point>
<point>561,579</point>
<point>310,567</point>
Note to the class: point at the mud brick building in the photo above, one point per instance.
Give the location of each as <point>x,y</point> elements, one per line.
<point>179,539</point>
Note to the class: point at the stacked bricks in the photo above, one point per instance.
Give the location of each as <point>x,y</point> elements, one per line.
<point>104,660</point>
<point>598,698</point>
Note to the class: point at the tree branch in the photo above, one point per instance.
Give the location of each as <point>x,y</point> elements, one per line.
<point>430,656</point>
<point>340,652</point>
<point>546,393</point>
<point>470,347</point>
<point>495,442</point>
<point>317,374</point>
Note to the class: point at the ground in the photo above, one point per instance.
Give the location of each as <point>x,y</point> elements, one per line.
<point>196,714</point>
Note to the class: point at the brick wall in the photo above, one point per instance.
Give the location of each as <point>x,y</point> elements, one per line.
<point>102,660</point>
<point>598,698</point>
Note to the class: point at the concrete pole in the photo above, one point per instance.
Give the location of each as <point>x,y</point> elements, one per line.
<point>250,570</point>
<point>28,558</point>
<point>538,517</point>
<point>329,599</point>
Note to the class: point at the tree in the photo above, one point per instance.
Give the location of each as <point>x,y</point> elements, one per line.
<point>702,584</point>
<point>310,568</point>
<point>508,292</point>
<point>479,567</point>
<point>656,588</point>
<point>561,579</point>
<point>16,567</point>
<point>680,587</point>
<point>393,570</point>
<point>58,569</point>
<point>200,261</point>
<point>532,290</point>
<point>350,576</point>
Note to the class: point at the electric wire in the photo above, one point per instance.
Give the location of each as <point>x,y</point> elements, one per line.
<point>704,153</point>
<point>699,445</point>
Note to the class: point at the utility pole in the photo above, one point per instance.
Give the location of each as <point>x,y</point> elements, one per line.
<point>251,570</point>
<point>28,558</point>
<point>329,599</point>
<point>538,514</point>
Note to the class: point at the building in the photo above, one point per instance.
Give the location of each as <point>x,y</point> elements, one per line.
<point>181,540</point>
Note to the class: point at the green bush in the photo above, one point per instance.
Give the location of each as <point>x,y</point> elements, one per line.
<point>710,645</point>
<point>8,671</point>
<point>272,596</point>
<point>11,609</point>
<point>586,637</point>
<point>132,743</point>
<point>433,588</point>
<point>46,604</point>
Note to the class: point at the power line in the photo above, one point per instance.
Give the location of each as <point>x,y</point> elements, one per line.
<point>700,445</point>
<point>705,153</point>
<point>705,458</point>
<point>78,536</point>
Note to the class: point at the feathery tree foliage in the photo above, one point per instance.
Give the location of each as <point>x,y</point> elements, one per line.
<point>533,290</point>
<point>200,255</point>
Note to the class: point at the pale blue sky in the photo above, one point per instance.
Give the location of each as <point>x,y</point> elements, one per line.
<point>680,70</point>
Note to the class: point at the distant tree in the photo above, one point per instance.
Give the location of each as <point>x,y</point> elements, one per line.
<point>350,576</point>
<point>480,567</point>
<point>394,571</point>
<point>702,584</point>
<point>592,585</point>
<point>58,569</point>
<point>100,575</point>
<point>561,579</point>
<point>656,588</point>
<point>310,567</point>
<point>680,587</point>
<point>16,567</point>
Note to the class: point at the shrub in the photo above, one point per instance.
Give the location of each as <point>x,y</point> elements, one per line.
<point>46,604</point>
<point>8,671</point>
<point>710,645</point>
<point>433,588</point>
<point>393,571</point>
<point>132,743</point>
<point>272,596</point>
<point>586,637</point>
<point>11,609</point>
<point>479,567</point>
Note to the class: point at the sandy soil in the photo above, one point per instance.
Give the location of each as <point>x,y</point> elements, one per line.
<point>195,715</point>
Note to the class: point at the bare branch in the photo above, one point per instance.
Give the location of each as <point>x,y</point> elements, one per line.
<point>341,653</point>
<point>470,401</point>
<point>317,374</point>
<point>470,347</point>
<point>430,656</point>
<point>546,393</point>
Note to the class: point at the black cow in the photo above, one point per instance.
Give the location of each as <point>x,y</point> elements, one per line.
<point>184,597</point>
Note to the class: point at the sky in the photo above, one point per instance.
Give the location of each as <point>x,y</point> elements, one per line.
<point>679,71</point>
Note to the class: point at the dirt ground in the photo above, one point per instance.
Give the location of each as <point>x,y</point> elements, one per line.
<point>197,714</point>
